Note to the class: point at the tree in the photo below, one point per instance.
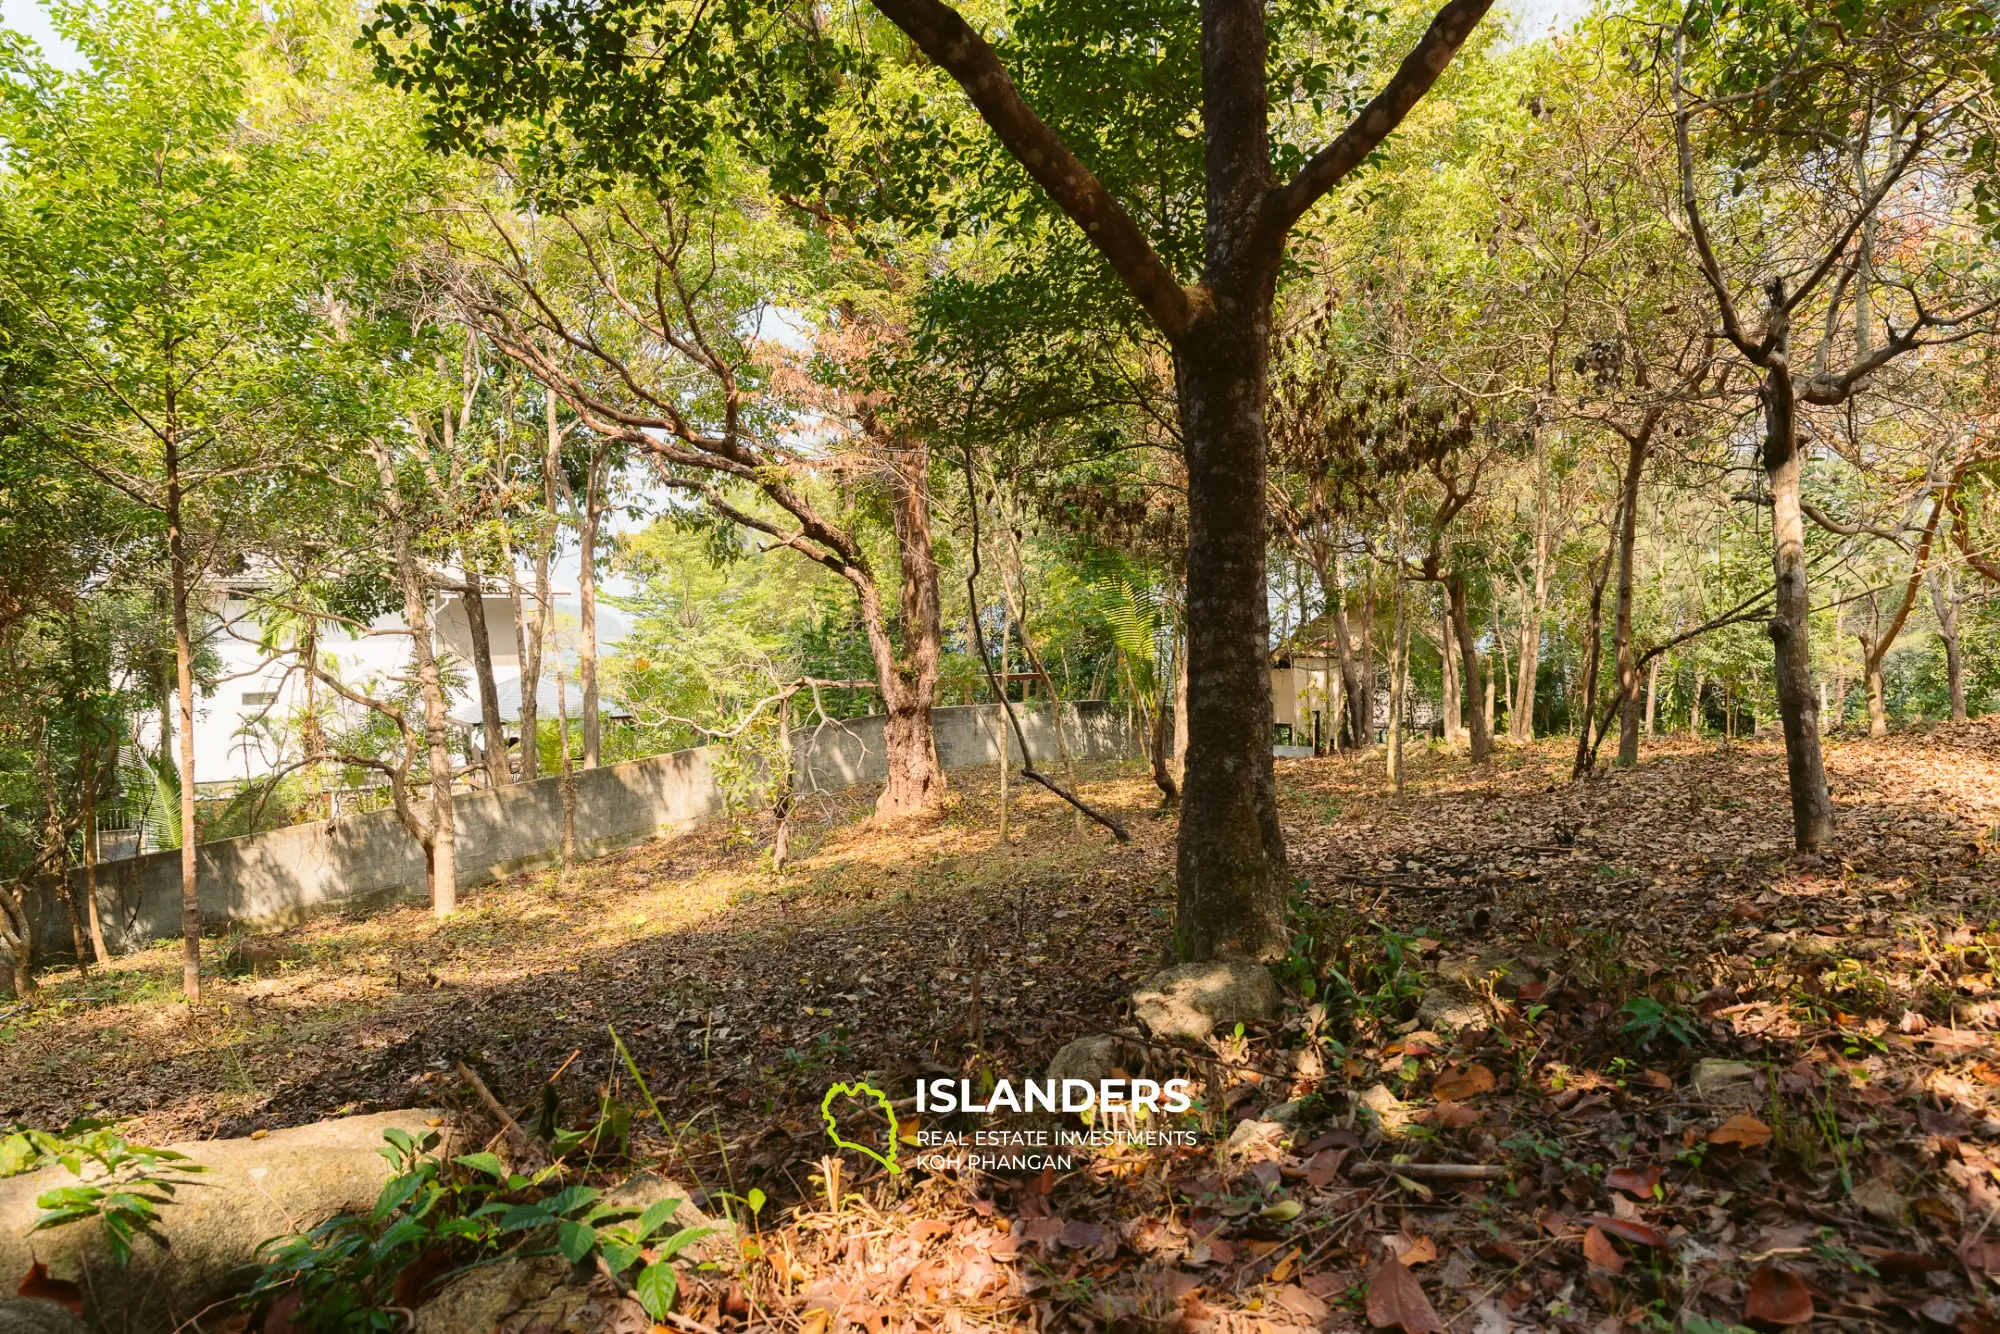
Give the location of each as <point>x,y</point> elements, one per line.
<point>195,190</point>
<point>1231,882</point>
<point>1820,140</point>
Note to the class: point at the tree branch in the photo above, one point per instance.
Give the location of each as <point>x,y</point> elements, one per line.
<point>950,42</point>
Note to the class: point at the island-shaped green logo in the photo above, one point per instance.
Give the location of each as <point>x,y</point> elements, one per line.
<point>861,1090</point>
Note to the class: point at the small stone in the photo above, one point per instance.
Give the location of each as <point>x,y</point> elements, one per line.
<point>1190,1000</point>
<point>1250,1134</point>
<point>32,1315</point>
<point>1391,1114</point>
<point>1090,1059</point>
<point>1452,1011</point>
<point>1291,1115</point>
<point>1727,1081</point>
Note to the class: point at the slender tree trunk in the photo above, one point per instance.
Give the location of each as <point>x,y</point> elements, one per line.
<point>88,758</point>
<point>908,678</point>
<point>567,769</point>
<point>1006,740</point>
<point>1367,661</point>
<point>1522,722</point>
<point>19,929</point>
<point>1652,693</point>
<point>1449,703</point>
<point>1838,713</point>
<point>180,593</point>
<point>1694,705</point>
<point>1944,602</point>
<point>1586,745</point>
<point>1871,669</point>
<point>781,809</point>
<point>1627,651</point>
<point>1798,706</point>
<point>1232,882</point>
<point>55,836</point>
<point>492,731</point>
<point>443,859</point>
<point>1477,696</point>
<point>586,589</point>
<point>1179,766</point>
<point>1399,681</point>
<point>1350,673</point>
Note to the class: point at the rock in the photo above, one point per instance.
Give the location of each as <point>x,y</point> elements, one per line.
<point>1469,971</point>
<point>1251,1135</point>
<point>1090,1059</point>
<point>253,1191</point>
<point>1391,1114</point>
<point>535,1290</point>
<point>1450,1010</point>
<point>1190,1000</point>
<point>642,1190</point>
<point>32,1315</point>
<point>1291,1115</point>
<point>545,1294</point>
<point>1727,1081</point>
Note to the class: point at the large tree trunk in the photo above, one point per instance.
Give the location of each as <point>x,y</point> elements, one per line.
<point>1475,680</point>
<point>1871,669</point>
<point>179,594</point>
<point>1798,704</point>
<point>17,925</point>
<point>908,678</point>
<point>1627,651</point>
<point>442,850</point>
<point>493,733</point>
<point>1521,722</point>
<point>1232,852</point>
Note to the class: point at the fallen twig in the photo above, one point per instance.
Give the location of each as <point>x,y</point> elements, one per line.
<point>1430,1171</point>
<point>515,1135</point>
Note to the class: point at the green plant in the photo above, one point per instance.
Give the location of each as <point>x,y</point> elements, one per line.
<point>458,1215</point>
<point>1647,1020</point>
<point>1349,962</point>
<point>134,1181</point>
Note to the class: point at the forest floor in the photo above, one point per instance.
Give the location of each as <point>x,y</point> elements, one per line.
<point>1614,938</point>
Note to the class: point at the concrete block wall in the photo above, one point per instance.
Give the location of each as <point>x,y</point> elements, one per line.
<point>361,862</point>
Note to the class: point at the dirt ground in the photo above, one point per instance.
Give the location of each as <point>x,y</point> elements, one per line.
<point>1511,975</point>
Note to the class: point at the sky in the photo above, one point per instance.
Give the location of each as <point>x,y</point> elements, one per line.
<point>1533,18</point>
<point>28,16</point>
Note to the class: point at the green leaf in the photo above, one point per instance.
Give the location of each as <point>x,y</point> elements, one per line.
<point>483,1162</point>
<point>619,1256</point>
<point>683,1239</point>
<point>658,1214</point>
<point>755,1199</point>
<point>656,1288</point>
<point>570,1199</point>
<point>575,1241</point>
<point>521,1217</point>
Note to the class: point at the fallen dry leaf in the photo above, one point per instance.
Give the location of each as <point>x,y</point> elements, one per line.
<point>1323,1167</point>
<point>1777,1297</point>
<point>1743,1130</point>
<point>1597,1249</point>
<point>1639,1234</point>
<point>1638,1181</point>
<point>1419,1251</point>
<point>1299,1302</point>
<point>60,1291</point>
<point>1396,1301</point>
<point>1456,1085</point>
